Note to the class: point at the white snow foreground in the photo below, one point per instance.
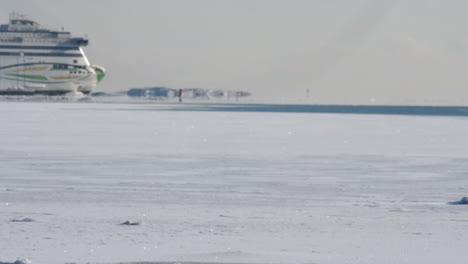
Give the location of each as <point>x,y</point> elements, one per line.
<point>229,187</point>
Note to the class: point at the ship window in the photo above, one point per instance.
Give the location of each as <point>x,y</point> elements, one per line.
<point>75,61</point>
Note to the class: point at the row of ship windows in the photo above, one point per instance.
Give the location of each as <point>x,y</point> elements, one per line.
<point>71,68</point>
<point>80,72</point>
<point>64,66</point>
<point>24,35</point>
<point>25,47</point>
<point>37,54</point>
<point>20,40</point>
<point>29,34</point>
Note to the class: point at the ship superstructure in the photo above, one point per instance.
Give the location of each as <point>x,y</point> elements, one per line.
<point>36,60</point>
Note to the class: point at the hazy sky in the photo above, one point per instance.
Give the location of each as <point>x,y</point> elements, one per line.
<point>400,51</point>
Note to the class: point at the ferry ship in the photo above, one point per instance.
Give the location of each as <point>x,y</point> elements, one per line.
<point>37,60</point>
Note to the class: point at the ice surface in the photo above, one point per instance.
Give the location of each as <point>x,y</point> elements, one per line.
<point>229,187</point>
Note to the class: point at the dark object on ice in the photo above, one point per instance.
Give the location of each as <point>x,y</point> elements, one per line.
<point>130,223</point>
<point>19,261</point>
<point>193,93</point>
<point>23,220</point>
<point>463,200</point>
<point>22,261</point>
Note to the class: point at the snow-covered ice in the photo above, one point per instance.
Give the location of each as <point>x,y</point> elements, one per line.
<point>229,187</point>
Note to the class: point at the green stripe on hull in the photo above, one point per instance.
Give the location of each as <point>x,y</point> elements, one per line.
<point>26,76</point>
<point>100,74</point>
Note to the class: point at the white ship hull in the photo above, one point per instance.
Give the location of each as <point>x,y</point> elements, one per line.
<point>43,78</point>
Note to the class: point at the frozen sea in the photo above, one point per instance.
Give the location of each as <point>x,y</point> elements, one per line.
<point>231,183</point>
